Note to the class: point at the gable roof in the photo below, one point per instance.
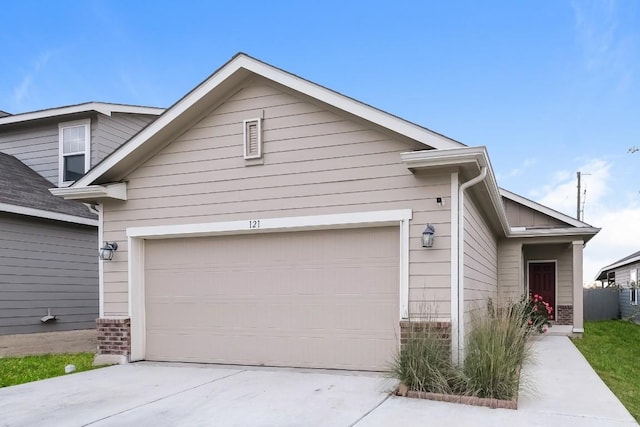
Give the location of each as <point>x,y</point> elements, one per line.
<point>629,259</point>
<point>214,91</point>
<point>24,191</point>
<point>542,208</point>
<point>100,107</point>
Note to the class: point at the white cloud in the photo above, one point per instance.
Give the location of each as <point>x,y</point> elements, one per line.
<point>517,171</point>
<point>23,89</point>
<point>607,49</point>
<point>561,194</point>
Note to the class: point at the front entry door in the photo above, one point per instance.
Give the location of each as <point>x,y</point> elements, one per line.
<point>542,281</point>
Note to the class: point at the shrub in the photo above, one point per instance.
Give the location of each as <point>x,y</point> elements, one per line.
<point>496,348</point>
<point>540,313</point>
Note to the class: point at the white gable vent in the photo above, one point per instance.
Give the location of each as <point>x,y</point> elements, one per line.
<point>252,139</point>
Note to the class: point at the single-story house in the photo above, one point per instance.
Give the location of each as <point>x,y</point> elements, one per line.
<point>49,279</point>
<point>266,220</point>
<point>624,274</point>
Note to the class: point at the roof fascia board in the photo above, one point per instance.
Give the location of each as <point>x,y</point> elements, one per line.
<point>164,120</point>
<point>39,213</point>
<point>542,209</point>
<point>457,157</point>
<point>347,104</point>
<point>100,107</point>
<point>108,191</point>
<point>620,264</point>
<point>243,62</point>
<point>590,231</point>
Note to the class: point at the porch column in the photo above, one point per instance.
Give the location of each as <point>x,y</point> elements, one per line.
<point>578,316</point>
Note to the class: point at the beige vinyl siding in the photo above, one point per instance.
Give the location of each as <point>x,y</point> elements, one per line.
<point>510,270</point>
<point>315,162</point>
<point>563,254</point>
<point>110,132</point>
<point>480,261</point>
<point>522,216</point>
<point>35,146</point>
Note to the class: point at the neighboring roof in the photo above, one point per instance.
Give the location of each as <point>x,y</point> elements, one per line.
<point>99,107</point>
<point>629,259</point>
<point>24,191</point>
<point>215,89</point>
<point>4,113</point>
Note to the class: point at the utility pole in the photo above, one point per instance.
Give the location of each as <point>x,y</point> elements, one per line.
<point>578,205</point>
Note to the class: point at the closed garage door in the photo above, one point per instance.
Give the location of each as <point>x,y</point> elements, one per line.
<point>322,299</point>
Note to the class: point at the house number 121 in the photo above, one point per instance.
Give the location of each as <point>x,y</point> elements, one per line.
<point>254,223</point>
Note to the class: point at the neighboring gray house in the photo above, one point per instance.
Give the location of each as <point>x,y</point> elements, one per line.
<point>624,274</point>
<point>48,246</point>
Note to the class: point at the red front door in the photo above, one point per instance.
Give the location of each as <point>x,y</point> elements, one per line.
<point>542,281</point>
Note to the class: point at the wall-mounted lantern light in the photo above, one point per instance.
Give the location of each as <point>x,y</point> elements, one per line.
<point>427,236</point>
<point>106,251</point>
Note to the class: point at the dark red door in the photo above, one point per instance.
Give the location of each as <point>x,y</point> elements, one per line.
<point>542,281</point>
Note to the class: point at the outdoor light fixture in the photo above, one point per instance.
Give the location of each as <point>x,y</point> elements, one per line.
<point>427,236</point>
<point>106,252</point>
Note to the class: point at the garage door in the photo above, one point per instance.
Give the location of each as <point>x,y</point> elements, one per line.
<point>321,299</point>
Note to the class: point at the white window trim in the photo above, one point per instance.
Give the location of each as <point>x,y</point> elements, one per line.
<point>87,148</point>
<point>136,237</point>
<point>245,137</point>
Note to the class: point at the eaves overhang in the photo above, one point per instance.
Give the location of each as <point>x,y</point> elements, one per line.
<point>99,107</point>
<point>215,89</point>
<point>476,157</point>
<point>41,213</point>
<point>92,193</point>
<point>616,265</point>
<point>586,232</point>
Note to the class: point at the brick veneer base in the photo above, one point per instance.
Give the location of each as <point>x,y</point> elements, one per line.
<point>114,336</point>
<point>564,315</point>
<point>441,329</point>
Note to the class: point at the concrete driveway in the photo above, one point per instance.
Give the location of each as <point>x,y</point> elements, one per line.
<point>568,393</point>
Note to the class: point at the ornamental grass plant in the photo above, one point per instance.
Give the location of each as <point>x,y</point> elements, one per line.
<point>497,345</point>
<point>424,363</point>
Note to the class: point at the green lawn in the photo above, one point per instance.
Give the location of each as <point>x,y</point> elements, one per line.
<point>18,370</point>
<point>612,347</point>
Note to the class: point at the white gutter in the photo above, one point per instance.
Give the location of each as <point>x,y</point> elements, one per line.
<point>458,335</point>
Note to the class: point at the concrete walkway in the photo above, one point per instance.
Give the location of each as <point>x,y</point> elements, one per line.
<point>561,390</point>
<point>569,393</point>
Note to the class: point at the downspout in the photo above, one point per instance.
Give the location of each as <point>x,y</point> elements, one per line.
<point>458,356</point>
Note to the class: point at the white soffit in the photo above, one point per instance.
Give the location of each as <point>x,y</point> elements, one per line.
<point>92,192</point>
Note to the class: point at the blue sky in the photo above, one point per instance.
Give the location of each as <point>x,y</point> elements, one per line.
<point>549,87</point>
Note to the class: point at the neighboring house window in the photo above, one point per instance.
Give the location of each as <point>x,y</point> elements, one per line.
<point>633,296</point>
<point>74,150</point>
<point>252,139</point>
